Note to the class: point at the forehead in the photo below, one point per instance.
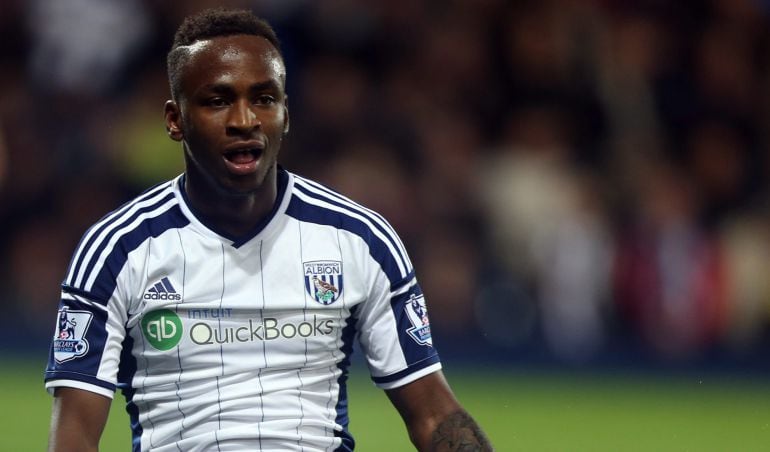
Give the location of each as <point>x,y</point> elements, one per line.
<point>229,59</point>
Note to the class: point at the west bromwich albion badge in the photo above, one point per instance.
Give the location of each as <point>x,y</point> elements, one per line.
<point>323,280</point>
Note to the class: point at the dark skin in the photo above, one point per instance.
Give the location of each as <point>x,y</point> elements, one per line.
<point>232,102</point>
<point>230,117</point>
<point>435,420</point>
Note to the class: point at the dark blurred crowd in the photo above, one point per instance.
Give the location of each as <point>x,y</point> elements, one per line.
<point>572,178</point>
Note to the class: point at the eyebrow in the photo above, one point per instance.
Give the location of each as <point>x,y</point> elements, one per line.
<point>256,87</point>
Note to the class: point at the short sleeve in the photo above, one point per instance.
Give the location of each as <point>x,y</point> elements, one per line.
<point>85,347</point>
<point>395,334</point>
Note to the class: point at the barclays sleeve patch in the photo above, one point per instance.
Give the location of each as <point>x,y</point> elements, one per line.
<point>69,341</point>
<point>417,312</point>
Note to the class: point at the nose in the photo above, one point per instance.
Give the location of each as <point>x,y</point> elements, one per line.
<point>242,118</point>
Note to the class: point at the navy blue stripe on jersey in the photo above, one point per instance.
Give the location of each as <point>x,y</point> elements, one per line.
<point>305,210</point>
<point>89,238</point>
<point>89,254</point>
<point>348,337</point>
<point>404,282</point>
<point>320,192</point>
<point>81,279</point>
<point>82,293</point>
<point>83,367</point>
<point>126,373</point>
<point>348,443</point>
<point>378,219</point>
<point>105,281</point>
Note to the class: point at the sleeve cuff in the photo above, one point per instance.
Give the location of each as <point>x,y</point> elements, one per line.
<point>406,379</point>
<point>53,384</point>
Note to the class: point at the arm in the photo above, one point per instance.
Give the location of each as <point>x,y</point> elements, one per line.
<point>77,420</point>
<point>434,418</point>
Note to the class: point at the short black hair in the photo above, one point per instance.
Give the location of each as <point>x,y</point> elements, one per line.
<point>212,23</point>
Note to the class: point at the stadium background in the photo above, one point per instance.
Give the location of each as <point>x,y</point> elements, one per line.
<point>582,185</point>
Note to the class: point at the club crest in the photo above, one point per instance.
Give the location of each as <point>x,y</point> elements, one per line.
<point>323,280</point>
<point>69,342</point>
<point>418,317</point>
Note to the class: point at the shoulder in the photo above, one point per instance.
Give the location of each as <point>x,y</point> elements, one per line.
<point>107,241</point>
<point>312,202</point>
<point>317,203</point>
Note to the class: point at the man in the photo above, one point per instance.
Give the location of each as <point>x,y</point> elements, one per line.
<point>224,303</point>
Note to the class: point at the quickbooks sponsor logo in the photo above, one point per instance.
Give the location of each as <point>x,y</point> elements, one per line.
<point>269,329</point>
<point>162,329</point>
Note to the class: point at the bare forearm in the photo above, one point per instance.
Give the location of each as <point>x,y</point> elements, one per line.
<point>435,419</point>
<point>60,441</point>
<point>77,420</point>
<point>459,432</point>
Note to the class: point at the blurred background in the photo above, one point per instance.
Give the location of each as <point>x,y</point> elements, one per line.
<point>580,183</point>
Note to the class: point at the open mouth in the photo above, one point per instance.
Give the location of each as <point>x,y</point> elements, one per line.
<point>242,161</point>
<point>243,155</point>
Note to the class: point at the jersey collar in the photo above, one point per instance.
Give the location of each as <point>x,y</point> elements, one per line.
<point>262,228</point>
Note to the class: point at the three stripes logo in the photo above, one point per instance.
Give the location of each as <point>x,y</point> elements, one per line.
<point>162,290</point>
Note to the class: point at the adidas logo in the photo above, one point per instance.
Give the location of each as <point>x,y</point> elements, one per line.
<point>162,290</point>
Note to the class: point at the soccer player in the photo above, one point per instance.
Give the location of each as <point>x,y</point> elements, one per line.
<point>225,302</point>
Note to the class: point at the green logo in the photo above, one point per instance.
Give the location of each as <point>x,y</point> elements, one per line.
<point>162,329</point>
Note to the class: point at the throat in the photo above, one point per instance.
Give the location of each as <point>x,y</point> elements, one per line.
<point>237,217</point>
<point>231,214</point>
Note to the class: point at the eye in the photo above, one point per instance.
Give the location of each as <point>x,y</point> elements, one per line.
<point>265,99</point>
<point>216,102</point>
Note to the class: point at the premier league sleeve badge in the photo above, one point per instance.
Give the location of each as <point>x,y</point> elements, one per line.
<point>417,313</point>
<point>69,342</point>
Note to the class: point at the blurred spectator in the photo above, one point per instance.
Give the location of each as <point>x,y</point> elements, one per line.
<point>35,281</point>
<point>670,274</point>
<point>747,246</point>
<point>83,45</point>
<point>718,159</point>
<point>549,225</point>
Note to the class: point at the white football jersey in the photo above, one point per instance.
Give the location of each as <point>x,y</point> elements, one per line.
<point>239,343</point>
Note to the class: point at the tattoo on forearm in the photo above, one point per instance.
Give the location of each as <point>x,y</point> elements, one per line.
<point>460,433</point>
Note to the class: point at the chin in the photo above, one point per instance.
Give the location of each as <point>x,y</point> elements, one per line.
<point>231,185</point>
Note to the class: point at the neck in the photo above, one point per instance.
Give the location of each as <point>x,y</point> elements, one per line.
<point>233,213</point>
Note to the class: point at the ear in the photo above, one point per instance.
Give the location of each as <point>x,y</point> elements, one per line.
<point>285,115</point>
<point>173,117</point>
